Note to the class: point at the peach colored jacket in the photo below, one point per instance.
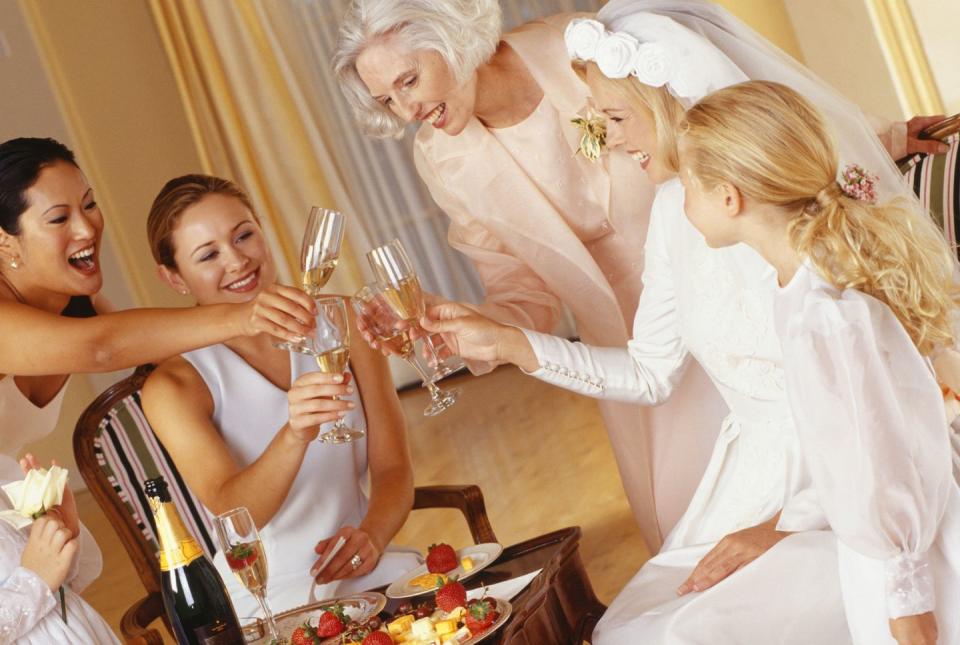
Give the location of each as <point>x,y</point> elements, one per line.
<point>531,261</point>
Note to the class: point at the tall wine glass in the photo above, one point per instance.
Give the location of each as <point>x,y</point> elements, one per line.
<point>394,270</point>
<point>241,545</point>
<point>319,252</point>
<point>330,346</point>
<point>373,305</point>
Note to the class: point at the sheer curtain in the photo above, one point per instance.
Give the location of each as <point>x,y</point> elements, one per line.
<point>379,175</point>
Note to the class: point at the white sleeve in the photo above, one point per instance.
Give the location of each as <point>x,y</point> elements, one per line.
<point>24,597</point>
<point>869,415</point>
<point>649,368</point>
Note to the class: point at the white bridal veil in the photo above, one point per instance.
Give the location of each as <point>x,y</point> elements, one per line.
<point>758,59</point>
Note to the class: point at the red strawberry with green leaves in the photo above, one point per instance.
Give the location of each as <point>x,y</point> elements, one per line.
<point>378,638</point>
<point>480,615</point>
<point>241,555</point>
<point>441,558</point>
<point>304,635</point>
<point>451,595</point>
<point>332,622</point>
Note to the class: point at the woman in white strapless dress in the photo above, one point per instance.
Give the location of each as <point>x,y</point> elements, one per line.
<point>240,419</point>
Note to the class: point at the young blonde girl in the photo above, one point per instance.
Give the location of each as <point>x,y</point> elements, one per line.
<point>867,297</point>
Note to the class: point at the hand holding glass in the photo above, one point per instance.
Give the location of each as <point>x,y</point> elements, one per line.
<point>374,304</point>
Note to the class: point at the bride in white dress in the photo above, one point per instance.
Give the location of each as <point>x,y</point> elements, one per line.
<point>718,306</point>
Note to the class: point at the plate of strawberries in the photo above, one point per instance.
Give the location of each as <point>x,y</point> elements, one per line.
<point>443,563</point>
<point>340,620</point>
<point>449,619</point>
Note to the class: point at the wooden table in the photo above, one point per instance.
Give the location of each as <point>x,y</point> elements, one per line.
<point>558,607</point>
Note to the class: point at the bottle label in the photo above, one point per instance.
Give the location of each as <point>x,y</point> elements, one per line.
<point>185,552</point>
<point>218,634</point>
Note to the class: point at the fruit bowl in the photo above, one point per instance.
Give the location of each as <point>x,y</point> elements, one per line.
<point>359,607</point>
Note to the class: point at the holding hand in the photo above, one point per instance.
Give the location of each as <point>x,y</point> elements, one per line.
<point>358,556</point>
<point>732,553</point>
<point>915,144</point>
<point>280,311</point>
<point>312,401</point>
<point>50,550</point>
<point>66,512</point>
<point>920,629</point>
<point>476,337</point>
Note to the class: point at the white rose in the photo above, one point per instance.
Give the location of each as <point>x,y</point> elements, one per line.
<point>617,55</point>
<point>654,65</point>
<point>39,491</point>
<point>582,36</point>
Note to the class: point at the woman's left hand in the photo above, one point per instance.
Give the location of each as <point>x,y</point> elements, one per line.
<point>358,543</point>
<point>733,552</point>
<point>920,629</point>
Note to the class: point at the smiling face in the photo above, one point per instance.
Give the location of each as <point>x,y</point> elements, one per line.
<point>58,247</point>
<point>631,124</point>
<point>220,252</point>
<point>417,85</point>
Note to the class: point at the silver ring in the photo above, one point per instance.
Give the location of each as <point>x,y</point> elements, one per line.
<point>356,561</point>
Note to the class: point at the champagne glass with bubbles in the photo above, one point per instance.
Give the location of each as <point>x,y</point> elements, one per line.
<point>395,272</point>
<point>330,346</point>
<point>373,305</point>
<point>243,550</point>
<point>319,252</point>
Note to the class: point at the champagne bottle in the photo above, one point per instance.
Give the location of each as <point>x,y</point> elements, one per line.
<point>194,597</point>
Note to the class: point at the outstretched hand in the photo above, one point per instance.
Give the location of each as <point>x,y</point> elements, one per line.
<point>467,333</point>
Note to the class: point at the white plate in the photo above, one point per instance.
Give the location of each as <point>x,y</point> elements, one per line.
<point>481,554</point>
<point>359,607</point>
<point>504,608</point>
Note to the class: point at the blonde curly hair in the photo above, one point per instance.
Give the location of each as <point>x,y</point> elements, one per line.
<point>769,142</point>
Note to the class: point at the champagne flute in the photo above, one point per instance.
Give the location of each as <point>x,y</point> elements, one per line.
<point>394,270</point>
<point>330,346</point>
<point>319,252</point>
<point>243,550</point>
<point>373,305</point>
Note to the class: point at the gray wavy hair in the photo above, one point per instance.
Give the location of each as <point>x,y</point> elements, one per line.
<point>464,32</point>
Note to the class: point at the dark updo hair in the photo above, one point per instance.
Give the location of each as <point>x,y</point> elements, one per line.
<point>21,161</point>
<point>176,196</point>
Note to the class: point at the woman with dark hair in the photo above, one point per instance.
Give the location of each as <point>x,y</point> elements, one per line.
<point>50,279</point>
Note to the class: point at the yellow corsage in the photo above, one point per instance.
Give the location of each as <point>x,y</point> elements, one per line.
<point>594,135</point>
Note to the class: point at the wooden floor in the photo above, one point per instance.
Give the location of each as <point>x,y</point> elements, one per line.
<point>539,453</point>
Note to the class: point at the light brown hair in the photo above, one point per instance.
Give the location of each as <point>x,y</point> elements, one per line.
<point>174,198</point>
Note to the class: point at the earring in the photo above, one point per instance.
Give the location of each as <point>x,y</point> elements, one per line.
<point>14,265</point>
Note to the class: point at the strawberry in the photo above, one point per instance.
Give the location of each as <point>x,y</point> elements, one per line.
<point>480,615</point>
<point>304,635</point>
<point>330,624</point>
<point>441,558</point>
<point>378,638</point>
<point>451,595</point>
<point>241,555</point>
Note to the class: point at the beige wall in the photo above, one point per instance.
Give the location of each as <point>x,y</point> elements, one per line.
<point>771,19</point>
<point>94,74</point>
<point>839,43</point>
<point>937,22</point>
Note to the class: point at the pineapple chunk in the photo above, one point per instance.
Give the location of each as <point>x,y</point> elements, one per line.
<point>423,629</point>
<point>445,626</point>
<point>467,564</point>
<point>400,625</point>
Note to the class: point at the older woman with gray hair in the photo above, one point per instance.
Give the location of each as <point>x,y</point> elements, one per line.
<point>544,227</point>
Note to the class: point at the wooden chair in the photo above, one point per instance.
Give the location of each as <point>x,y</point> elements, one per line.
<point>936,178</point>
<point>116,451</point>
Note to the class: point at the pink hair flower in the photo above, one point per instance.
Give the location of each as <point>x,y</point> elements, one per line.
<point>859,184</point>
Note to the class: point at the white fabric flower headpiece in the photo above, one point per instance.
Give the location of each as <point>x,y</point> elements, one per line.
<point>656,51</point>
